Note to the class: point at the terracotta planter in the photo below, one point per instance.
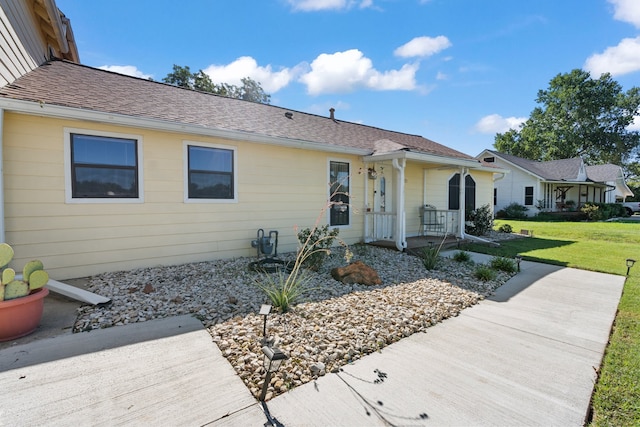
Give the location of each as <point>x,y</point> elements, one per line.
<point>21,316</point>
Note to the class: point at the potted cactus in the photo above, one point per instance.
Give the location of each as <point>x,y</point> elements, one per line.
<point>21,298</point>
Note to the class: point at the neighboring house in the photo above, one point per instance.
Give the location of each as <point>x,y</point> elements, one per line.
<point>106,172</point>
<point>32,32</point>
<point>556,185</point>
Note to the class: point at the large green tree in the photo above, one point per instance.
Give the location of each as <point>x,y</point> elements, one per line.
<point>579,116</point>
<point>249,91</point>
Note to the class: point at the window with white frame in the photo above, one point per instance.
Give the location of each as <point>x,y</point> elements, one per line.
<point>339,193</point>
<point>102,166</point>
<point>528,196</point>
<point>210,172</point>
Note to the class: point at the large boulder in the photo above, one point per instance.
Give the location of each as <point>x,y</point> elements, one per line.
<point>357,272</point>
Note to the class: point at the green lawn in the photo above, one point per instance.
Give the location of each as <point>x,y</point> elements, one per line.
<point>602,246</point>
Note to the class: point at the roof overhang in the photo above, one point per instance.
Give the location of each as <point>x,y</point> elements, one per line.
<point>70,113</point>
<point>434,159</point>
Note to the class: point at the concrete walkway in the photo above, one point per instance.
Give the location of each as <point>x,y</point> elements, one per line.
<point>526,356</point>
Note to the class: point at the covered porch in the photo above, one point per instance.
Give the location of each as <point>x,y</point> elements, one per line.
<point>413,199</point>
<point>571,196</point>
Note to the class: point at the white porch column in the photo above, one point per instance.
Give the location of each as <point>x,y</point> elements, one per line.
<point>367,215</point>
<point>400,229</point>
<point>2,229</point>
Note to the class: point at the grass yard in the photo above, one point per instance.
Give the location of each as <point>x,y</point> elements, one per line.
<point>604,247</point>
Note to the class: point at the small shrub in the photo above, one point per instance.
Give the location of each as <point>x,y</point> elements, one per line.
<point>430,257</point>
<point>503,264</point>
<point>485,273</point>
<point>462,256</point>
<point>592,212</point>
<point>505,228</point>
<point>316,244</point>
<point>513,211</point>
<point>282,289</point>
<point>479,220</point>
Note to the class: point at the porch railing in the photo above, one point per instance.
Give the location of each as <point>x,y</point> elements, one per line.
<point>381,226</point>
<point>438,222</point>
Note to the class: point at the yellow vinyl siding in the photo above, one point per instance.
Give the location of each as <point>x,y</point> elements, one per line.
<point>278,188</point>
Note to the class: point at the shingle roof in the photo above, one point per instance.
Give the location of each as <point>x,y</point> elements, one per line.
<point>553,170</point>
<point>603,173</point>
<point>68,84</point>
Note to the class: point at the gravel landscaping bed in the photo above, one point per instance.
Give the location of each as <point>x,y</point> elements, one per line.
<point>335,324</point>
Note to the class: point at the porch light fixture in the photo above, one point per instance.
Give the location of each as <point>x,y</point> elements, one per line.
<point>265,309</point>
<point>630,263</point>
<point>273,358</point>
<point>518,259</point>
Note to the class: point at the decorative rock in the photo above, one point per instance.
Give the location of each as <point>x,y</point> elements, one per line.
<point>356,272</point>
<point>148,288</point>
<point>318,369</point>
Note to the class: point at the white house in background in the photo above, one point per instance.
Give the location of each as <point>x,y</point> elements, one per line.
<point>554,186</point>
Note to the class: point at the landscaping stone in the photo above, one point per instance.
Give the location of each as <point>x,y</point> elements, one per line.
<point>356,272</point>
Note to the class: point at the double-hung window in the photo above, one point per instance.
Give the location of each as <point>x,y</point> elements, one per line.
<point>528,196</point>
<point>102,166</point>
<point>210,172</point>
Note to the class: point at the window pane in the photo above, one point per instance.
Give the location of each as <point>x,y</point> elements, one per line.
<point>210,159</point>
<point>210,186</point>
<point>105,182</point>
<point>339,180</point>
<point>454,192</point>
<point>100,150</point>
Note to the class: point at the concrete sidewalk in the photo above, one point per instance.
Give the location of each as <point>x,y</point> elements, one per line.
<point>526,356</point>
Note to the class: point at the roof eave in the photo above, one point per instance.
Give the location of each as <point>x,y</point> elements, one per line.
<point>434,159</point>
<point>62,112</point>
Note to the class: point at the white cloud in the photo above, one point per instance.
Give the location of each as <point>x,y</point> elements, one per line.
<point>245,66</point>
<point>495,123</point>
<point>422,47</point>
<point>129,70</point>
<point>635,125</point>
<point>316,5</point>
<point>617,60</point>
<point>441,76</point>
<point>627,11</point>
<point>346,71</point>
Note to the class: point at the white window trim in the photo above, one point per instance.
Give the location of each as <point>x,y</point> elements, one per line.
<point>348,226</point>
<point>68,188</point>
<point>185,162</point>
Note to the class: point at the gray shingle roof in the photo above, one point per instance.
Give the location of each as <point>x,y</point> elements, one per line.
<point>69,84</point>
<point>553,170</point>
<point>604,173</point>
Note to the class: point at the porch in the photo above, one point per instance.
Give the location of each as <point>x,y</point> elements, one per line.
<point>416,243</point>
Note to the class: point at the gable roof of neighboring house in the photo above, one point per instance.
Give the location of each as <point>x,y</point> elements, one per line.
<point>69,85</point>
<point>604,173</point>
<point>552,170</point>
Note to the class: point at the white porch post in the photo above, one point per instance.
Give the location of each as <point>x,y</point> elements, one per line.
<point>400,230</point>
<point>367,215</point>
<point>2,229</point>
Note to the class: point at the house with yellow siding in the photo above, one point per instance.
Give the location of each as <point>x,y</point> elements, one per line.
<point>105,172</point>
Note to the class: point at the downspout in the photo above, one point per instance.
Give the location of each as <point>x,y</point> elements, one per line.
<point>2,230</point>
<point>367,213</point>
<point>400,231</point>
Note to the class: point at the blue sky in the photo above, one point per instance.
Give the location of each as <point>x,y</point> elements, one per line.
<point>454,71</point>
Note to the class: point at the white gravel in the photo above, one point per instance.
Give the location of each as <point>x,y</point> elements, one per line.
<point>335,324</point>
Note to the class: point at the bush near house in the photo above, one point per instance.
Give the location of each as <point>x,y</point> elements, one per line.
<point>479,221</point>
<point>513,211</point>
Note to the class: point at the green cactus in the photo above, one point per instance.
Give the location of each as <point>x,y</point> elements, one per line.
<point>38,279</point>
<point>15,289</point>
<point>33,276</point>
<point>7,276</point>
<point>30,267</point>
<point>6,254</point>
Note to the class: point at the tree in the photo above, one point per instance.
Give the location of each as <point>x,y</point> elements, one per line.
<point>200,81</point>
<point>578,116</point>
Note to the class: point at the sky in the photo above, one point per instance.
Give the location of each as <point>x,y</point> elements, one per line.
<point>454,71</point>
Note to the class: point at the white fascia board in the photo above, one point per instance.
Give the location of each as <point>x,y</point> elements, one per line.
<point>525,170</point>
<point>48,110</point>
<point>431,158</point>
